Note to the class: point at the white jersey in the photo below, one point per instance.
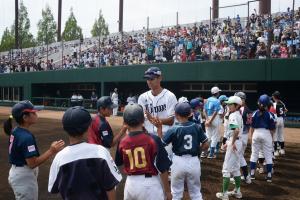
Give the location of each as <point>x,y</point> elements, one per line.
<point>114,97</point>
<point>235,121</point>
<point>161,106</point>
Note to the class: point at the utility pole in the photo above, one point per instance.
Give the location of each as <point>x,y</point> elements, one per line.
<point>16,24</point>
<point>59,21</point>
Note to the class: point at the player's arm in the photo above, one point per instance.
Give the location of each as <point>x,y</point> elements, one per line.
<point>35,161</point>
<point>235,135</point>
<point>166,185</point>
<point>209,121</point>
<point>111,194</point>
<point>118,136</point>
<point>167,121</point>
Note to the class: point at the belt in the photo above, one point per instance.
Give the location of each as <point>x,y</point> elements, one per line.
<point>19,165</point>
<point>179,154</point>
<point>147,175</point>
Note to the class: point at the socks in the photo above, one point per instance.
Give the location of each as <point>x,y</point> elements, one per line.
<point>252,167</point>
<point>269,169</point>
<point>212,151</point>
<point>245,171</point>
<point>275,145</point>
<point>281,145</point>
<point>237,180</point>
<point>226,181</point>
<point>217,147</point>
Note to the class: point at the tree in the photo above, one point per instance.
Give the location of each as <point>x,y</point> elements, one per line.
<point>25,37</point>
<point>7,40</point>
<point>46,27</point>
<point>72,30</point>
<point>100,27</point>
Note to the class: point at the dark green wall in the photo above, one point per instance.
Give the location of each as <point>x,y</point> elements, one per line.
<point>240,70</point>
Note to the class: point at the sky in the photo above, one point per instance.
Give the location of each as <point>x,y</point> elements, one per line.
<point>160,12</point>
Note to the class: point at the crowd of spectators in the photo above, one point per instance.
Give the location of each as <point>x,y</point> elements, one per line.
<point>260,37</point>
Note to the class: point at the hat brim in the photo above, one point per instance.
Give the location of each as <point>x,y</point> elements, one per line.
<point>229,102</point>
<point>152,76</point>
<point>35,109</point>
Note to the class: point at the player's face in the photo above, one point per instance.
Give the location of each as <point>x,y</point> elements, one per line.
<point>106,112</point>
<point>232,107</point>
<point>154,83</point>
<point>31,118</point>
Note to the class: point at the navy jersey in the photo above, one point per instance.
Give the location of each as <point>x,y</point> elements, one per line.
<point>142,153</point>
<point>83,171</point>
<point>22,145</point>
<point>280,108</point>
<point>185,138</point>
<point>263,120</point>
<point>247,116</point>
<point>100,132</point>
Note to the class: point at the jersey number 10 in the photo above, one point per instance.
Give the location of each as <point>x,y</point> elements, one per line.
<point>134,158</point>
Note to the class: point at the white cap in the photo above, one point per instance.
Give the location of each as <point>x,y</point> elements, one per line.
<point>183,100</point>
<point>215,90</point>
<point>234,99</point>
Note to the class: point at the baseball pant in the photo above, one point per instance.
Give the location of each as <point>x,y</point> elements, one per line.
<point>231,165</point>
<point>244,140</point>
<point>115,110</point>
<point>186,168</point>
<point>139,187</point>
<point>23,181</point>
<point>212,132</point>
<point>262,140</point>
<point>278,136</point>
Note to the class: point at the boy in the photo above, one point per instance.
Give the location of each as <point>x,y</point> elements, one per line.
<point>186,137</point>
<point>82,170</point>
<point>100,131</point>
<point>144,157</point>
<point>231,165</point>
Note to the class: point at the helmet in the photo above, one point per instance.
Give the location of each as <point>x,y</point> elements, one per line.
<point>242,95</point>
<point>195,103</point>
<point>133,114</point>
<point>264,100</point>
<point>223,98</point>
<point>234,99</point>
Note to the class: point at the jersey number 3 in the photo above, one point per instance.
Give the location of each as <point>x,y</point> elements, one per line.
<point>188,140</point>
<point>134,158</point>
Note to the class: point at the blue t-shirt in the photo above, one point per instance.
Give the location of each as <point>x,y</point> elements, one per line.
<point>212,105</point>
<point>263,120</point>
<point>22,145</point>
<point>185,138</point>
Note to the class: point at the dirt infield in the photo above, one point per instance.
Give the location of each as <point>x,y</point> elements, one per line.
<point>286,181</point>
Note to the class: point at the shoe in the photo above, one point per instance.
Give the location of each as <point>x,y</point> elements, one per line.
<point>211,156</point>
<point>276,153</point>
<point>282,152</point>
<point>248,179</point>
<point>252,177</point>
<point>242,178</point>
<point>261,170</point>
<point>269,179</point>
<point>232,180</point>
<point>221,195</point>
<point>203,155</point>
<point>235,194</point>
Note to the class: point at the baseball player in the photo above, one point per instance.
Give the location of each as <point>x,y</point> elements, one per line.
<point>157,103</point>
<point>233,146</point>
<point>221,115</point>
<point>100,131</point>
<point>246,114</point>
<point>82,170</point>
<point>143,157</point>
<point>211,109</point>
<point>186,137</point>
<point>115,99</point>
<point>281,111</point>
<point>24,155</point>
<point>262,128</point>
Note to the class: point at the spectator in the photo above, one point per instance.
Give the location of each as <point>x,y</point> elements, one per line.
<point>94,99</point>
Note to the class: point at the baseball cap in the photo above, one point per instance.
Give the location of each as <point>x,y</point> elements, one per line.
<point>133,114</point>
<point>195,102</point>
<point>182,99</point>
<point>223,98</point>
<point>152,72</point>
<point>76,120</point>
<point>215,90</point>
<point>24,106</point>
<point>183,109</point>
<point>276,94</point>
<point>234,99</point>
<point>242,95</point>
<point>105,102</point>
<point>264,100</point>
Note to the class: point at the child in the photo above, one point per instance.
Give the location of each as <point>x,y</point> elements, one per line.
<point>100,131</point>
<point>231,165</point>
<point>24,155</point>
<point>82,170</point>
<point>144,158</point>
<point>186,137</point>
<point>261,132</point>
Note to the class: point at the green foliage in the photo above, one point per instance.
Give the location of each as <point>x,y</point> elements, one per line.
<point>100,27</point>
<point>7,40</point>
<point>72,30</point>
<point>46,27</point>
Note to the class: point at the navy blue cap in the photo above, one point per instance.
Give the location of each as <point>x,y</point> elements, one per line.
<point>183,109</point>
<point>105,102</point>
<point>24,106</point>
<point>264,100</point>
<point>76,120</point>
<point>133,114</point>
<point>195,103</point>
<point>152,72</point>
